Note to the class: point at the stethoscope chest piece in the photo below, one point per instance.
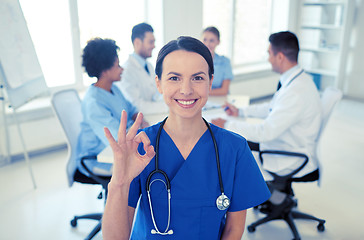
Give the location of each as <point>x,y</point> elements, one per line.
<point>222,202</point>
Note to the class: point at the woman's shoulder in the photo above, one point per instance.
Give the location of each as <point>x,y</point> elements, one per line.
<point>90,95</point>
<point>221,58</point>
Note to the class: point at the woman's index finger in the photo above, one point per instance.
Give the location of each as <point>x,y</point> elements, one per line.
<point>122,127</point>
<point>133,130</point>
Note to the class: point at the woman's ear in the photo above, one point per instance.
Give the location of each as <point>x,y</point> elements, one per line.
<point>212,79</point>
<point>158,83</point>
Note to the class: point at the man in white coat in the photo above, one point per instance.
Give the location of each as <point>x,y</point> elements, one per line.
<point>138,85</point>
<point>292,118</point>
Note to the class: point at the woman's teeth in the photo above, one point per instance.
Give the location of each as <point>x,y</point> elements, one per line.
<point>186,102</point>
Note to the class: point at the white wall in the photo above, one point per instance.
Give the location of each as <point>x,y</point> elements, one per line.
<point>182,17</point>
<point>354,84</point>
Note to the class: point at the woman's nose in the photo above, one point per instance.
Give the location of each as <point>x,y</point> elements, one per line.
<point>186,87</point>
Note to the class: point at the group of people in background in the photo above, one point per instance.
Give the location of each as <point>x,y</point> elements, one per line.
<point>187,72</point>
<point>131,87</point>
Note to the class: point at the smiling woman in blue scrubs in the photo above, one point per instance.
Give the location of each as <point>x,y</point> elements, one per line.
<point>187,157</point>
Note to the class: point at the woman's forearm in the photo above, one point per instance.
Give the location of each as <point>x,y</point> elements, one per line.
<point>116,223</point>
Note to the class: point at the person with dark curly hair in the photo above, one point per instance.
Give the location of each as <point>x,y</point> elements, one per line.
<point>102,104</point>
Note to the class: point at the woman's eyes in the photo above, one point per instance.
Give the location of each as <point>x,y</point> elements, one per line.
<point>173,78</point>
<point>195,78</point>
<point>198,78</point>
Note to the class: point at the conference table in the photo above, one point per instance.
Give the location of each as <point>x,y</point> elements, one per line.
<point>213,109</point>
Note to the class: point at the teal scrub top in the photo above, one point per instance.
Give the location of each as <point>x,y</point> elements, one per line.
<point>222,71</point>
<point>100,109</point>
<point>195,186</point>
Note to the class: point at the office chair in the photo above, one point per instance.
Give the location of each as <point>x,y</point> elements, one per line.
<point>282,203</point>
<point>67,106</point>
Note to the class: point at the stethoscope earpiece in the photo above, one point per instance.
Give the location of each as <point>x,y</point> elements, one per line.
<point>170,232</point>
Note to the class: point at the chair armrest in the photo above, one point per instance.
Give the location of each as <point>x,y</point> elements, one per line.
<point>284,153</point>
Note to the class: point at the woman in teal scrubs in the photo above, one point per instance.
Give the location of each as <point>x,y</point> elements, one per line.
<point>223,73</point>
<point>102,104</point>
<point>187,156</point>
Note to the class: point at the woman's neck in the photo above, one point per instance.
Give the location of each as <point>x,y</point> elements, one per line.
<point>185,133</point>
<point>182,129</point>
<point>106,85</point>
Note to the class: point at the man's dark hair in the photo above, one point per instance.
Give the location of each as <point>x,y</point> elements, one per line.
<point>99,55</point>
<point>286,43</point>
<point>189,44</point>
<point>139,31</point>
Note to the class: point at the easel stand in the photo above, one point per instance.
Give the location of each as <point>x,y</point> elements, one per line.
<point>25,152</point>
<point>4,121</point>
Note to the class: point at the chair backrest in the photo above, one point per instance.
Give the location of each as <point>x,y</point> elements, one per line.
<point>329,98</point>
<point>67,106</point>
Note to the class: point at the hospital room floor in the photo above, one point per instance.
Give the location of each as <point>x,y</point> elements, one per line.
<point>45,213</point>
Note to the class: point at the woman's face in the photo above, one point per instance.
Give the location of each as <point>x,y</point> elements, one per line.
<point>114,73</point>
<point>184,83</point>
<point>210,40</point>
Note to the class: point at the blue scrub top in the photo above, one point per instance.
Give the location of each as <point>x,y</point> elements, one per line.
<point>222,70</point>
<point>100,109</point>
<point>195,186</point>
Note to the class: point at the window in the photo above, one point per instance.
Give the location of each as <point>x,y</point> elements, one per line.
<point>51,35</point>
<point>244,27</point>
<point>109,19</point>
<point>50,30</point>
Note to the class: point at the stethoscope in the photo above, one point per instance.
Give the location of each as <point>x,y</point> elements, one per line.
<point>295,76</point>
<point>222,202</point>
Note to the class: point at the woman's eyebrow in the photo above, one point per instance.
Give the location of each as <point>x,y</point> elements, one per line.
<point>195,74</point>
<point>174,73</point>
<point>179,74</point>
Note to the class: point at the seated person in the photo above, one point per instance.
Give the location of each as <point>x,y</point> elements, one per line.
<point>102,104</point>
<point>138,85</point>
<point>293,117</point>
<point>223,72</point>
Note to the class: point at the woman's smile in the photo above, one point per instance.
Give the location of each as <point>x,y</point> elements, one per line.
<point>186,103</point>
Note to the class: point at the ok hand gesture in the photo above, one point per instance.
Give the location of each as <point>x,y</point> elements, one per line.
<point>128,163</point>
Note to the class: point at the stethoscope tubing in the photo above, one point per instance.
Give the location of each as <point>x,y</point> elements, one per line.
<point>217,156</point>
<point>220,202</point>
<point>157,170</point>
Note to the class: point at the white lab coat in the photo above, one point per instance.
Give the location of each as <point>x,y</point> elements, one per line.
<point>291,123</point>
<point>140,89</point>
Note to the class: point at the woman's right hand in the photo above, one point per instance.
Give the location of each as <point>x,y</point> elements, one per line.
<point>128,163</point>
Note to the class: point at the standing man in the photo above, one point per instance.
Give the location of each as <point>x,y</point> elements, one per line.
<point>292,119</point>
<point>138,85</point>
